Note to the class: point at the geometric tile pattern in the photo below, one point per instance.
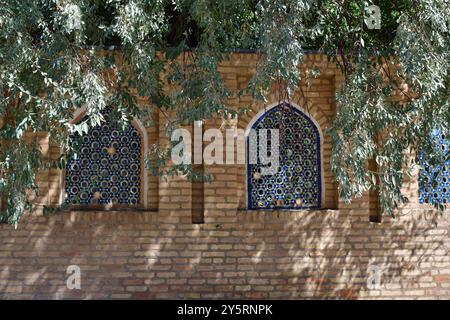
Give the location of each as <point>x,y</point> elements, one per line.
<point>297,184</point>
<point>107,167</point>
<point>439,192</point>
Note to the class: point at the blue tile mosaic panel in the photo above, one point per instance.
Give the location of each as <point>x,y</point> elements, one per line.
<point>107,168</point>
<point>435,193</point>
<point>297,184</point>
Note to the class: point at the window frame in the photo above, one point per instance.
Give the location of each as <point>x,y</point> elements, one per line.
<point>78,115</point>
<point>251,123</point>
<point>423,166</point>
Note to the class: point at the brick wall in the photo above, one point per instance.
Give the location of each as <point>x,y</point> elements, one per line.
<point>235,253</point>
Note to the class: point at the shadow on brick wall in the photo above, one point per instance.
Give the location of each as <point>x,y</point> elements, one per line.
<point>237,254</point>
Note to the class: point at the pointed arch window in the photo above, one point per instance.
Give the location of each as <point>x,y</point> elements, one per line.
<point>106,168</point>
<point>297,182</point>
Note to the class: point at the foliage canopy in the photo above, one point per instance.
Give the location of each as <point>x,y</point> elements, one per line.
<point>59,55</point>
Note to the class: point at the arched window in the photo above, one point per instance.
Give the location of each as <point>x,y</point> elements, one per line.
<point>106,168</point>
<point>297,182</point>
<point>435,190</point>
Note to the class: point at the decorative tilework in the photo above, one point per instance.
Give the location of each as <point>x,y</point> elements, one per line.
<point>440,192</point>
<point>107,167</point>
<point>298,181</point>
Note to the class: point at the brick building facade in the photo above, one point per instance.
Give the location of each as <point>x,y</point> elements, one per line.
<point>161,251</point>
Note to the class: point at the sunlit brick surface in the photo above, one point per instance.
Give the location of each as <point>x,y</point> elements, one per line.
<point>328,253</point>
